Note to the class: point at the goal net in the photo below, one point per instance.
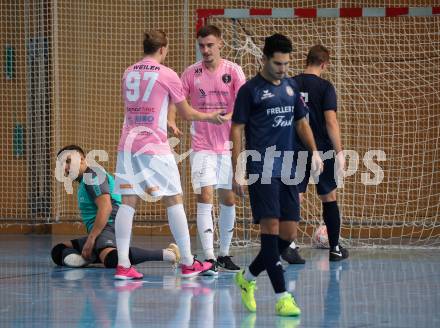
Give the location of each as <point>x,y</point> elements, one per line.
<point>63,62</point>
<point>386,73</point>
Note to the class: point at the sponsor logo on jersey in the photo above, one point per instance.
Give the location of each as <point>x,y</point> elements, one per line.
<point>267,94</point>
<point>218,93</point>
<point>202,92</point>
<point>226,78</point>
<point>143,119</point>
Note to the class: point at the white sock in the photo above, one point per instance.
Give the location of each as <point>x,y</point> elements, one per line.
<point>179,228</point>
<point>248,275</point>
<point>226,224</point>
<point>279,295</point>
<point>168,256</point>
<point>206,229</point>
<point>292,245</point>
<point>123,225</point>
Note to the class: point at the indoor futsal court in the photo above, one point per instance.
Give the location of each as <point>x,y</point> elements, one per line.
<point>62,64</point>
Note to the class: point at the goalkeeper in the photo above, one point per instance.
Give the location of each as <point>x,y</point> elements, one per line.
<point>98,206</point>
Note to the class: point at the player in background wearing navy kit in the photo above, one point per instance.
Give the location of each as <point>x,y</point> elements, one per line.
<point>320,97</point>
<point>269,109</point>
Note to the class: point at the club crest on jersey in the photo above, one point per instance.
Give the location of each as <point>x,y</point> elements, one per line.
<point>267,94</point>
<point>226,78</point>
<point>289,90</point>
<point>198,71</point>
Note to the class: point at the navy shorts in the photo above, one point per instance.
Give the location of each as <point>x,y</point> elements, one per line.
<point>274,200</point>
<point>326,182</point>
<point>106,239</point>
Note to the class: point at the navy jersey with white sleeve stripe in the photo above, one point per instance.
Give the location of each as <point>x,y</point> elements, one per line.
<point>269,113</point>
<point>320,96</point>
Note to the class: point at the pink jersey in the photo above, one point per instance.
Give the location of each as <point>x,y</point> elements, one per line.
<point>147,88</point>
<point>211,91</point>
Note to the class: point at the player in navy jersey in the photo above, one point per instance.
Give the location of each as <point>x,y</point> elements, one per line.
<point>320,97</point>
<point>269,109</point>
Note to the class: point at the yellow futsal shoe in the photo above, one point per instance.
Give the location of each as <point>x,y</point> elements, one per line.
<point>287,307</point>
<point>247,291</point>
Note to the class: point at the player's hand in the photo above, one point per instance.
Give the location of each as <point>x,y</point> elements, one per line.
<point>216,117</point>
<point>172,127</point>
<point>237,188</point>
<point>317,164</point>
<point>340,164</point>
<point>226,116</point>
<point>88,248</point>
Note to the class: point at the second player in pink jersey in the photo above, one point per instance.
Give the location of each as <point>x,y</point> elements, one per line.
<point>145,165</point>
<point>212,83</point>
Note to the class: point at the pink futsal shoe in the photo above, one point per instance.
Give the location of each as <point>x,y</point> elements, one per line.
<point>127,273</point>
<point>188,271</point>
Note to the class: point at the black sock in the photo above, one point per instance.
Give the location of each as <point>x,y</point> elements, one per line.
<point>139,255</point>
<point>332,219</point>
<point>111,260</point>
<point>282,245</point>
<point>257,265</point>
<point>57,254</point>
<point>271,260</point>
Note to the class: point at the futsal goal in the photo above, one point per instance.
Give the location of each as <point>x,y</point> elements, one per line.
<point>63,61</point>
<point>385,65</point>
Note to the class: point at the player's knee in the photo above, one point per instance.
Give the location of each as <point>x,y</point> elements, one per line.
<point>57,253</point>
<point>229,200</point>
<point>169,201</point>
<point>111,260</point>
<point>205,197</point>
<point>330,197</point>
<point>269,226</point>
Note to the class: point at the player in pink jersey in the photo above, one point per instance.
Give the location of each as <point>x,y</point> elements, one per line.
<point>211,83</point>
<point>145,165</point>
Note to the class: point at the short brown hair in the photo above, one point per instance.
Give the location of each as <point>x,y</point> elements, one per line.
<point>317,55</point>
<point>153,40</point>
<point>206,30</point>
